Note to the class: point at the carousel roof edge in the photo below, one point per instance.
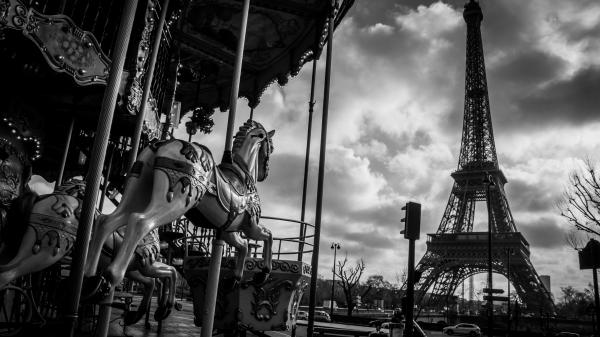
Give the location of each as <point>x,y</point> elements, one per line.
<point>256,77</point>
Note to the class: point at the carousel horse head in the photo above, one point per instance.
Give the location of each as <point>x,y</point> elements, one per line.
<point>253,144</point>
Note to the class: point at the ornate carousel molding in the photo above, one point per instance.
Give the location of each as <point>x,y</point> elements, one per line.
<point>66,47</point>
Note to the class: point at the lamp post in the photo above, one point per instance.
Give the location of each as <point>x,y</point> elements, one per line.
<point>489,183</point>
<point>509,252</point>
<point>335,246</point>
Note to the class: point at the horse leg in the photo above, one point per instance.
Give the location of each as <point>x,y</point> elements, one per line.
<point>258,232</point>
<point>106,224</point>
<point>168,275</point>
<point>133,317</point>
<point>241,247</point>
<point>27,262</point>
<point>135,198</point>
<point>158,212</point>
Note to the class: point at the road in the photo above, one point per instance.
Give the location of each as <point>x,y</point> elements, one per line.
<point>301,332</point>
<point>181,323</point>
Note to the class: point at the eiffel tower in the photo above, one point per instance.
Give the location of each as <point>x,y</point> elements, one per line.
<point>455,252</point>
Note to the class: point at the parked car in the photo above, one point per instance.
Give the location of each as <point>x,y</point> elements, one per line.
<point>567,334</point>
<point>378,322</point>
<point>322,316</point>
<point>384,330</point>
<point>302,315</point>
<point>462,329</point>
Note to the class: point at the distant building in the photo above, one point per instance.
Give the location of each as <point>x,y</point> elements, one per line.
<point>546,282</point>
<point>379,304</point>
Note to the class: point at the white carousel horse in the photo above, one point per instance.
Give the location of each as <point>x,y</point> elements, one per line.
<point>174,178</point>
<point>51,221</point>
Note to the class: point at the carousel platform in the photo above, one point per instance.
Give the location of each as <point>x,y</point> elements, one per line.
<point>179,323</point>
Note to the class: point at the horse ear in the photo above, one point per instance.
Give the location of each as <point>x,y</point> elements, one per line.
<point>271,133</point>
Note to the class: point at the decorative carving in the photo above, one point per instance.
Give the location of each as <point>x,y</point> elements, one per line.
<point>265,301</point>
<point>306,269</point>
<point>134,97</point>
<point>152,127</point>
<point>184,173</point>
<point>11,180</point>
<point>270,305</point>
<point>65,47</point>
<point>4,7</point>
<point>18,148</point>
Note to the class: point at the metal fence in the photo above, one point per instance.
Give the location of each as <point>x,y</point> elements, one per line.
<point>292,247</point>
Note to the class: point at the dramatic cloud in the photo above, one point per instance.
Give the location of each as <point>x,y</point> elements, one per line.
<point>543,233</point>
<point>568,100</point>
<point>395,123</point>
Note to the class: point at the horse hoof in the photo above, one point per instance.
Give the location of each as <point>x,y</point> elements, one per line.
<point>161,313</point>
<point>95,288</point>
<point>260,278</point>
<point>90,287</point>
<point>230,283</point>
<point>178,306</point>
<point>132,317</point>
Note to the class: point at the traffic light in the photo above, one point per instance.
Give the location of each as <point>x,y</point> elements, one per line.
<point>412,221</point>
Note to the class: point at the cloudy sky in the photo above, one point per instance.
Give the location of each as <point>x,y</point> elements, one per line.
<point>396,116</point>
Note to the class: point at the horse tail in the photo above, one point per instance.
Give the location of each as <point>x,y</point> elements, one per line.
<point>9,272</point>
<point>10,266</point>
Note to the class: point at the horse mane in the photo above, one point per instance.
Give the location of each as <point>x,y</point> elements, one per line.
<point>73,187</point>
<point>240,136</point>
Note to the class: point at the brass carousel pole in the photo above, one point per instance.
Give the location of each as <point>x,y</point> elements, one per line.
<point>319,206</point>
<point>63,162</point>
<point>311,105</point>
<point>108,171</point>
<point>235,85</point>
<point>135,141</point>
<point>214,268</point>
<point>96,163</point>
<point>166,130</point>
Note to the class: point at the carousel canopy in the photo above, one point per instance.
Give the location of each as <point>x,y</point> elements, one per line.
<point>281,37</point>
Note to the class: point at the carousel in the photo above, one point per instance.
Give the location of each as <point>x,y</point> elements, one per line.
<point>99,198</point>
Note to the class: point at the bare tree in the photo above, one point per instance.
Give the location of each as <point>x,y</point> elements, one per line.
<point>377,288</point>
<point>580,204</point>
<point>575,239</point>
<point>349,278</point>
<point>400,278</point>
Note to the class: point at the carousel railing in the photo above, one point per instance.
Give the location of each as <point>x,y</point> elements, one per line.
<point>292,245</point>
<point>198,240</point>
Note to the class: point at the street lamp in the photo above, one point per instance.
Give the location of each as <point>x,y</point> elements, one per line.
<point>489,183</point>
<point>335,246</point>
<point>509,252</point>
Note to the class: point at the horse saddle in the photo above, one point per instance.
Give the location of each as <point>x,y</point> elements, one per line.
<point>229,188</point>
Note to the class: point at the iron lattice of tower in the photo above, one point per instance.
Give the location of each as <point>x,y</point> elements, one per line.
<point>455,252</point>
